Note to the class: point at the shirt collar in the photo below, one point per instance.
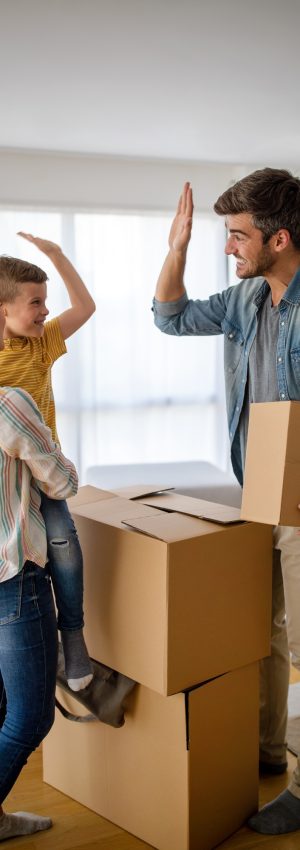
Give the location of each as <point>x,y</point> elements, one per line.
<point>261,293</point>
<point>292,294</point>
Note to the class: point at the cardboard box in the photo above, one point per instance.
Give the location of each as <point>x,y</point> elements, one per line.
<point>172,600</point>
<point>272,471</point>
<point>181,774</point>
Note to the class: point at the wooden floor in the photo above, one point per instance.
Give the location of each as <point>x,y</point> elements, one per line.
<point>76,827</point>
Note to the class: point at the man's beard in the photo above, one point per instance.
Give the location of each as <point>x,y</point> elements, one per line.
<point>258,268</point>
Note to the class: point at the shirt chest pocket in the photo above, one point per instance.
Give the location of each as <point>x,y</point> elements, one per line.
<point>295,362</point>
<point>233,345</point>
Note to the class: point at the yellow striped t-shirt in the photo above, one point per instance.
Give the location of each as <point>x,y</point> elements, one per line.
<point>26,362</point>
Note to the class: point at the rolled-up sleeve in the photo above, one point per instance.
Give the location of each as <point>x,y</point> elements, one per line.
<point>169,308</point>
<point>186,317</point>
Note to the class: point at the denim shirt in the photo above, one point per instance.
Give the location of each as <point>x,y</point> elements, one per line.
<point>233,313</point>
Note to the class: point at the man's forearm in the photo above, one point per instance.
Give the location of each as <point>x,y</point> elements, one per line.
<point>170,285</point>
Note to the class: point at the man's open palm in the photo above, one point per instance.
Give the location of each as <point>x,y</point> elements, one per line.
<point>181,228</point>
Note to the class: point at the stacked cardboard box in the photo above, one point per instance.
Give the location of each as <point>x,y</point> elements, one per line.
<point>271,491</point>
<point>177,596</point>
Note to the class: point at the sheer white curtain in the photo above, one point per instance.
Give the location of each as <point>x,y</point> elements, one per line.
<point>125,392</point>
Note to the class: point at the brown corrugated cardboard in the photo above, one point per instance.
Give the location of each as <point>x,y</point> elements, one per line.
<point>181,774</point>
<point>271,492</point>
<point>173,611</point>
<point>199,508</point>
<point>113,510</point>
<point>89,494</point>
<point>135,491</point>
<point>171,527</point>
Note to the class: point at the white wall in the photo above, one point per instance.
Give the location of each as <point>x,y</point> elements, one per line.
<point>86,182</point>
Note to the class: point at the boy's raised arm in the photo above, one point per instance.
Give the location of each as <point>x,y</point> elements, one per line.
<point>82,303</point>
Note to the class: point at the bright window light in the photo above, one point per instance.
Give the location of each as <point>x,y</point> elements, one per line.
<point>126,393</point>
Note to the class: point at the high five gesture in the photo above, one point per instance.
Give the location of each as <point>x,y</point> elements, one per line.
<point>170,284</point>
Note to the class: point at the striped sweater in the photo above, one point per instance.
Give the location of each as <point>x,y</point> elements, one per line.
<point>29,461</point>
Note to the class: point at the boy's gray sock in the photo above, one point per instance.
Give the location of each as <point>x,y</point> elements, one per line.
<point>280,816</point>
<point>78,666</point>
<point>22,823</point>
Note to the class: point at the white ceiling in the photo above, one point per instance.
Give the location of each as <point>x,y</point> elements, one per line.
<point>205,81</point>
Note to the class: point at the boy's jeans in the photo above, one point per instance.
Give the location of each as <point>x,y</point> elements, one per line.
<point>275,670</point>
<point>28,662</point>
<point>65,563</point>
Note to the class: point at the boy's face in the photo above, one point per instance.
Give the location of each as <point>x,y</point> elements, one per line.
<point>25,316</point>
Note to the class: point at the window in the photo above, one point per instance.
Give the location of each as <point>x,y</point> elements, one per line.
<point>126,393</point>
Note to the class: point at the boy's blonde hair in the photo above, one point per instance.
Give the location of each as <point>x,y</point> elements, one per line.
<point>14,272</point>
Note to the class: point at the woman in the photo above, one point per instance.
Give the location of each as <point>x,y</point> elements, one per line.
<point>29,461</point>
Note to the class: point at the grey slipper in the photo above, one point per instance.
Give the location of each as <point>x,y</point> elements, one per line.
<point>105,696</point>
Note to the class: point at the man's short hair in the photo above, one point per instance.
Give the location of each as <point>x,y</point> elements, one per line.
<point>271,196</point>
<point>13,273</point>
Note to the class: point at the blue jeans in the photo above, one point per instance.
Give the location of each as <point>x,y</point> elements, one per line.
<point>28,662</point>
<point>65,563</point>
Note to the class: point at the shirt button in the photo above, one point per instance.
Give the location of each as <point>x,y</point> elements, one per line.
<point>282,395</point>
<point>230,336</point>
<point>230,434</point>
<point>279,359</point>
<point>237,408</point>
<point>282,324</point>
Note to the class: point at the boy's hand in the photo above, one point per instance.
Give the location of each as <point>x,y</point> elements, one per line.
<point>44,245</point>
<point>82,304</point>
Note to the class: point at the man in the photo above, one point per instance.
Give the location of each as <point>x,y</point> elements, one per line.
<point>260,320</point>
<point>29,462</point>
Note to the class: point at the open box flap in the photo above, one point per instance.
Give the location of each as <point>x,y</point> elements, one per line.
<point>87,495</point>
<point>190,506</point>
<point>113,510</point>
<point>166,516</point>
<point>172,527</point>
<point>136,491</point>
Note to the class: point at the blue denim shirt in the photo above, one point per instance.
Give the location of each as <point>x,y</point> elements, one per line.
<point>233,313</point>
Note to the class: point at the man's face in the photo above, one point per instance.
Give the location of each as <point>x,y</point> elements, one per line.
<point>245,242</point>
<point>25,316</point>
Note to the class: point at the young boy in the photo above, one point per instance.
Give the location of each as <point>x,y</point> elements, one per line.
<point>30,349</point>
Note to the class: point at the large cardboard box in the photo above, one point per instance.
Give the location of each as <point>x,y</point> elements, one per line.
<point>172,600</point>
<point>181,774</point>
<point>271,492</point>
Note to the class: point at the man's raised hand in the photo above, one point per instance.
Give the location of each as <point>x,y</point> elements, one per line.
<point>181,228</point>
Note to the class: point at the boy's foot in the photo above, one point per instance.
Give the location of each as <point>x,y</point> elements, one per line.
<point>78,666</point>
<point>22,823</point>
<point>280,816</point>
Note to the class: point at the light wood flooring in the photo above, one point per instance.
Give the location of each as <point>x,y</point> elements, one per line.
<point>79,828</point>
